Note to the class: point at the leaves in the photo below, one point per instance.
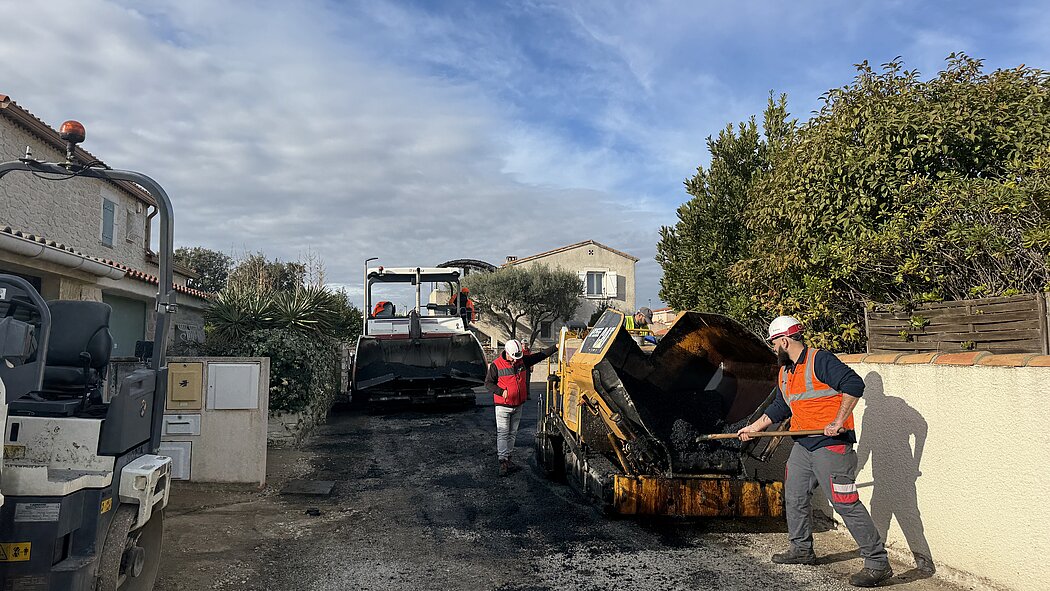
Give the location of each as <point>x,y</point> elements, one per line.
<point>240,310</point>
<point>533,294</point>
<point>211,266</point>
<point>896,190</point>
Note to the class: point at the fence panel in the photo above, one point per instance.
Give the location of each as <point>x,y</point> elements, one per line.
<point>1015,324</point>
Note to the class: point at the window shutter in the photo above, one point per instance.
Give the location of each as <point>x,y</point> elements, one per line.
<point>610,284</point>
<point>583,279</point>
<point>108,213</point>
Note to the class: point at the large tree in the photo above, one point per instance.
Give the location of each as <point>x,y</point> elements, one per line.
<point>553,295</point>
<point>896,190</point>
<point>257,272</point>
<point>712,234</point>
<point>211,266</point>
<point>525,297</point>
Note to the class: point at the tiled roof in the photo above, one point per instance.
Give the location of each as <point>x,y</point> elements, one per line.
<point>51,243</point>
<point>571,246</point>
<point>147,278</point>
<point>45,132</point>
<point>128,271</point>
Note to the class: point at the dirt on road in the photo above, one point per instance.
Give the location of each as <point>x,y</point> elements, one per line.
<point>417,504</point>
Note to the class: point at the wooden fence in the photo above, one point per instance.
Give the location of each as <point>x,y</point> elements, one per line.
<point>1016,324</point>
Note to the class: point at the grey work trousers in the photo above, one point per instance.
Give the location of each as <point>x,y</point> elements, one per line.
<point>507,420</point>
<point>834,469</point>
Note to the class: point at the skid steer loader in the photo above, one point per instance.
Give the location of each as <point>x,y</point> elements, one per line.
<point>83,489</point>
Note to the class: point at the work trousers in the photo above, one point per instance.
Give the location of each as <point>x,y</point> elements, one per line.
<point>834,469</point>
<point>507,420</point>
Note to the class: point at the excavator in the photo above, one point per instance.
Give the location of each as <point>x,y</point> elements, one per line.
<point>83,488</point>
<point>630,425</point>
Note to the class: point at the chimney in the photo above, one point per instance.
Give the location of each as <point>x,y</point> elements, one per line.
<point>511,259</point>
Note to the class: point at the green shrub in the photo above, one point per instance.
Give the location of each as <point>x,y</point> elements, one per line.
<point>299,330</point>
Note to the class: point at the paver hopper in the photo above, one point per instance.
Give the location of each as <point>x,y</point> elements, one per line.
<point>622,421</point>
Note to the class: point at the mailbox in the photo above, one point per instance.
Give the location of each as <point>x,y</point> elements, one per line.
<point>185,386</point>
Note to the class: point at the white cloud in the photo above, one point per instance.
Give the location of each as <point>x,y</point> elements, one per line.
<point>423,133</point>
<point>272,134</point>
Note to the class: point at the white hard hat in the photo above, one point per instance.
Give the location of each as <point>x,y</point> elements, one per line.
<point>784,326</point>
<point>514,349</point>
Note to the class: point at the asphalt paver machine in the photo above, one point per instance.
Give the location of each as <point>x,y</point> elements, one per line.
<point>84,490</point>
<point>627,425</point>
<point>417,357</point>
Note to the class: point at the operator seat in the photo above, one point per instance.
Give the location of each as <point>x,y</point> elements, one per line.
<point>384,309</point>
<point>79,346</point>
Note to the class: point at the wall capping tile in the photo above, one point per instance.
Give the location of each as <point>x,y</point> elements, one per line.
<point>967,358</point>
<point>1007,360</point>
<point>918,358</point>
<point>881,357</point>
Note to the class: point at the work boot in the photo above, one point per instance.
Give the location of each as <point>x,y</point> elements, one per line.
<point>795,556</point>
<point>870,577</point>
<point>504,467</point>
<point>512,466</point>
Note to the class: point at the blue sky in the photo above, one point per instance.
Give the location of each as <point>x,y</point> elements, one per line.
<point>428,131</point>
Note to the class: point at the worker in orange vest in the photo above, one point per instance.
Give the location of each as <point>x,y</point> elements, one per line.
<point>818,391</point>
<point>465,304</point>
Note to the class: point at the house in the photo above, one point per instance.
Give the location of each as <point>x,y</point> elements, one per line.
<point>664,315</point>
<point>85,239</point>
<point>607,276</point>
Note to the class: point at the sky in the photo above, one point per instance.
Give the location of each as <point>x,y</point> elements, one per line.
<point>421,132</point>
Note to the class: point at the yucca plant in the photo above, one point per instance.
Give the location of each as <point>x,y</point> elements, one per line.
<point>237,311</point>
<point>308,308</point>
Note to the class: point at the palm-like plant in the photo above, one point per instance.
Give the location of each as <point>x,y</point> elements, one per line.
<point>308,308</point>
<point>239,310</point>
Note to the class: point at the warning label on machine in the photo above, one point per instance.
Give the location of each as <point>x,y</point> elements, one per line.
<point>14,452</point>
<point>14,551</point>
<point>37,511</point>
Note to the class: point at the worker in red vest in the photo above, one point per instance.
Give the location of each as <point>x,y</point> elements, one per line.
<point>507,379</point>
<point>818,392</point>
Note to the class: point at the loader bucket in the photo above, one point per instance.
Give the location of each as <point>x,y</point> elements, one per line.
<point>432,363</point>
<point>708,374</point>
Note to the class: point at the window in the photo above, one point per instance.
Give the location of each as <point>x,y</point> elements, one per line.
<point>595,283</point>
<point>545,330</point>
<point>109,210</point>
<point>130,227</point>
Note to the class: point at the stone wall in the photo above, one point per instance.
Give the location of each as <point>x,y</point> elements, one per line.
<point>70,211</point>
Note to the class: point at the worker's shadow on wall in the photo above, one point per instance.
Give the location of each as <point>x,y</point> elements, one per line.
<point>888,429</point>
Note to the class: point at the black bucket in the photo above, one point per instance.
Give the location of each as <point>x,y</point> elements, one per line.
<point>442,363</point>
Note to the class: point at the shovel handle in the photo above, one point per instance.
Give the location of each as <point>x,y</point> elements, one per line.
<point>761,434</point>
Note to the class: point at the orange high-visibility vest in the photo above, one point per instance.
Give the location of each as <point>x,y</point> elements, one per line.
<point>813,403</point>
